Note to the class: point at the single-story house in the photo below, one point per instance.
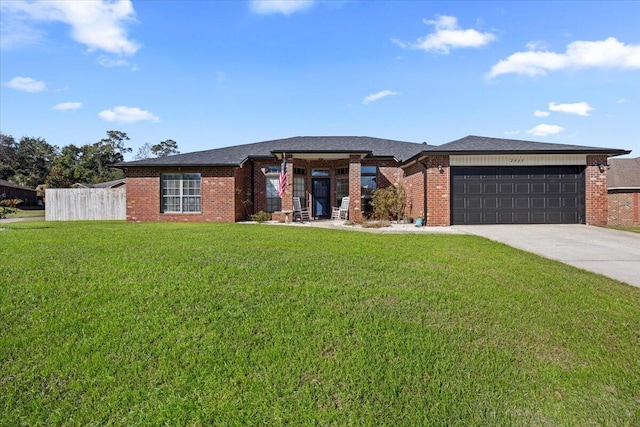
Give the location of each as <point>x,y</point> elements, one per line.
<point>108,184</point>
<point>473,180</point>
<point>10,190</point>
<point>624,191</point>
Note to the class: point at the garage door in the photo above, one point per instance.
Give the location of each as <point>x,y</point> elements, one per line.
<point>517,195</point>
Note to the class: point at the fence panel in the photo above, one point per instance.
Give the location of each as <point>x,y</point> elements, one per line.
<point>85,204</point>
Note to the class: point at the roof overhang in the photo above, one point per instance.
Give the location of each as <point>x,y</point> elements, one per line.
<point>321,155</point>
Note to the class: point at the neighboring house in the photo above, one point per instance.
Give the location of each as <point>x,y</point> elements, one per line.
<point>109,184</point>
<point>474,180</point>
<point>9,190</point>
<point>624,191</point>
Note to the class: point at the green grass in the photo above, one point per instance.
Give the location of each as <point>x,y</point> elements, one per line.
<point>26,213</point>
<point>201,324</point>
<point>632,229</point>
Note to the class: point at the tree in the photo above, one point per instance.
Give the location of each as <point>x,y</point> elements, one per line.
<point>8,156</point>
<point>34,159</point>
<point>165,148</point>
<point>144,152</point>
<point>90,163</point>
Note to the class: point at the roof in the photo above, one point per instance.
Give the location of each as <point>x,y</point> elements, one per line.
<point>108,184</point>
<point>236,155</point>
<point>5,183</point>
<point>624,174</point>
<point>473,144</point>
<point>366,146</point>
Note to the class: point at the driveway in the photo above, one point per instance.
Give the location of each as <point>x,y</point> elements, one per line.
<point>612,253</point>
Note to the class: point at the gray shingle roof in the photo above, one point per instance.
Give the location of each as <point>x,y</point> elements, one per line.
<point>480,144</point>
<point>373,147</point>
<point>9,184</point>
<point>233,156</point>
<point>624,173</point>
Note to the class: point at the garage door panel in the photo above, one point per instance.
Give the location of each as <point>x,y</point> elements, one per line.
<point>518,195</point>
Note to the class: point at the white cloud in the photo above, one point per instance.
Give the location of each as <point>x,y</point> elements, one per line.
<point>539,113</point>
<point>544,130</point>
<point>113,62</point>
<point>65,106</point>
<point>609,53</point>
<point>286,7</point>
<point>379,95</point>
<point>26,84</point>
<point>537,45</point>
<point>512,132</point>
<point>579,108</point>
<point>99,25</point>
<point>448,35</point>
<point>124,114</point>
<point>622,100</point>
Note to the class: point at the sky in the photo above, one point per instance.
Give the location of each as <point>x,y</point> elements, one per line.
<point>211,74</point>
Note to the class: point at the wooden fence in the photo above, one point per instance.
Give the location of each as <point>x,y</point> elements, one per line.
<point>85,204</point>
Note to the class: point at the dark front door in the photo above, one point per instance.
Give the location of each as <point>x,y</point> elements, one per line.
<point>517,195</point>
<point>321,199</point>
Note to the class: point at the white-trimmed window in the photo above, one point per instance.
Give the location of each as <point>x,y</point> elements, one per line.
<point>181,192</point>
<point>273,202</point>
<point>299,189</point>
<point>342,184</point>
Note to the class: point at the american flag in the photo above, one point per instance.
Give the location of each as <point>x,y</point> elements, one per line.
<point>282,180</point>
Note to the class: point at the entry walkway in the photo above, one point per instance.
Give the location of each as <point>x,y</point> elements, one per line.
<point>612,253</point>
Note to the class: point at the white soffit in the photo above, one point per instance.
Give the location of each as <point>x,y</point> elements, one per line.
<point>518,160</point>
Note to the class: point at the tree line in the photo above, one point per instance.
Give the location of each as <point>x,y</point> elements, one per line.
<point>33,161</point>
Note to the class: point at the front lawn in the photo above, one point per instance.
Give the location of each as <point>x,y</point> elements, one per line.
<point>239,324</point>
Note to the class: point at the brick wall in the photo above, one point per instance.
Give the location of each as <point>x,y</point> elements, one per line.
<point>596,198</point>
<point>624,208</point>
<point>438,191</point>
<point>355,201</point>
<point>218,195</point>
<point>413,183</point>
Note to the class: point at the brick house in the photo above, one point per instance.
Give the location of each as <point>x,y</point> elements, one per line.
<point>9,190</point>
<point>624,192</point>
<point>474,180</point>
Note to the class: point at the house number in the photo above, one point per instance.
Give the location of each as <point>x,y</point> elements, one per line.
<point>517,160</point>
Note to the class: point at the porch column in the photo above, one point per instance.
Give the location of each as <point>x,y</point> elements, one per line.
<point>438,191</point>
<point>355,201</point>
<point>596,197</point>
<point>287,197</point>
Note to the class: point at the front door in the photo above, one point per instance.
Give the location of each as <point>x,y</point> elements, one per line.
<point>321,200</point>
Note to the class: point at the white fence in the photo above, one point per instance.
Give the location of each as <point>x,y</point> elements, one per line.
<point>85,204</point>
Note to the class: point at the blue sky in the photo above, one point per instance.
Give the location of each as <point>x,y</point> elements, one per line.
<point>210,74</point>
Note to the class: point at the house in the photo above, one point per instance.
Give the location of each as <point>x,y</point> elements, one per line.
<point>624,192</point>
<point>108,184</point>
<point>10,190</point>
<point>473,180</point>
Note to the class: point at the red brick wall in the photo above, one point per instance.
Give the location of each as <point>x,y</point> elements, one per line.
<point>596,199</point>
<point>624,208</point>
<point>413,183</point>
<point>355,202</point>
<point>218,195</point>
<point>438,191</point>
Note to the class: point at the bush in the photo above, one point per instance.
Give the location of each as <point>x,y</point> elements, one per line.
<point>389,203</point>
<point>261,216</point>
<point>8,206</point>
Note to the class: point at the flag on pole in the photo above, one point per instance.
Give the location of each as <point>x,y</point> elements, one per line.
<point>282,179</point>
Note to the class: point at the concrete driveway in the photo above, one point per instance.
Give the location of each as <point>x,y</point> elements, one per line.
<point>612,253</point>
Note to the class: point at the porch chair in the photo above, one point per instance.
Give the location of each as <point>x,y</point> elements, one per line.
<point>341,211</point>
<point>298,212</point>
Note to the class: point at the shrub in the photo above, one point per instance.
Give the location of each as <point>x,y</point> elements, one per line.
<point>8,206</point>
<point>389,203</point>
<point>261,216</point>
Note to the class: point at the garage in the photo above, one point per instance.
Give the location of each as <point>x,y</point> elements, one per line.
<point>517,195</point>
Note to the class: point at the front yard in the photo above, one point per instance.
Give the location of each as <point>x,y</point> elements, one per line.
<point>245,324</point>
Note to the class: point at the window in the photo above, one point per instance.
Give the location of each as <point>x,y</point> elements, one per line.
<point>181,192</point>
<point>299,190</point>
<point>273,201</point>
<point>342,184</point>
<point>368,184</point>
<point>320,172</point>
